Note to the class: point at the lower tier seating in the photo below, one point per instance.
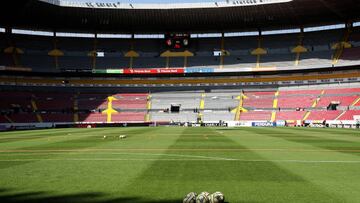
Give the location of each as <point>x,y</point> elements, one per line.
<point>323,115</point>
<point>290,115</point>
<point>349,115</point>
<point>255,116</point>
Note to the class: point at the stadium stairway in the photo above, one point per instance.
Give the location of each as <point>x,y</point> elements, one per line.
<point>348,115</point>
<point>34,106</point>
<point>356,102</point>
<point>8,119</point>
<point>148,108</point>
<point>275,106</point>
<point>240,109</point>
<point>340,46</point>
<point>76,109</point>
<point>314,105</point>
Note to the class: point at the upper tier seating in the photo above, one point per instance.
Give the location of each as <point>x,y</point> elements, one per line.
<point>278,47</point>
<point>352,54</point>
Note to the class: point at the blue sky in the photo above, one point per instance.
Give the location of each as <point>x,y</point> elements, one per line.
<point>152,1</point>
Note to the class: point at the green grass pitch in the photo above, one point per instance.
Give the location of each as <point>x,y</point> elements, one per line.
<point>163,164</point>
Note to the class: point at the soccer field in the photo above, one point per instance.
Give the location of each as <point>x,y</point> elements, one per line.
<point>163,164</point>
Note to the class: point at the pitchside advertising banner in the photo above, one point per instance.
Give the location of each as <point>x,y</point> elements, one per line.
<point>144,71</point>
<point>264,124</point>
<point>255,124</point>
<point>154,71</point>
<point>199,70</point>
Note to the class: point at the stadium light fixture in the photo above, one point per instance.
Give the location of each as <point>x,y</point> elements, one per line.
<point>241,34</point>
<point>326,27</point>
<point>356,24</point>
<point>77,35</point>
<point>114,36</point>
<point>206,35</point>
<point>32,32</point>
<point>149,36</point>
<point>276,32</point>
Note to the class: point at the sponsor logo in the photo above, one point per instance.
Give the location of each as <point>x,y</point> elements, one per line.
<point>263,124</point>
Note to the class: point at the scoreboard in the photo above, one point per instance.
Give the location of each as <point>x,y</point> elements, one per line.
<point>177,41</point>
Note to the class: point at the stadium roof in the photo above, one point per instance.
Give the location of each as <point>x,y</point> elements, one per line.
<point>230,15</point>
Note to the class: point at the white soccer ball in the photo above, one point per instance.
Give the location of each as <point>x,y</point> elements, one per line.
<point>104,136</point>
<point>122,136</point>
<point>217,197</point>
<point>190,198</point>
<point>202,198</point>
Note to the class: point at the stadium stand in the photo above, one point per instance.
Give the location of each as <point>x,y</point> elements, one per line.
<point>324,115</point>
<point>23,118</point>
<point>300,92</point>
<point>53,101</point>
<point>290,115</point>
<point>92,117</point>
<point>216,116</point>
<point>58,117</point>
<point>259,99</point>
<point>212,101</point>
<point>342,100</point>
<point>76,52</point>
<point>296,101</point>
<point>173,117</point>
<point>349,115</point>
<point>343,91</point>
<point>129,117</point>
<point>309,104</point>
<point>130,101</point>
<point>256,116</point>
<point>3,119</point>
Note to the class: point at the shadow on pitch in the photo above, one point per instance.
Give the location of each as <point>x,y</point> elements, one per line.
<point>9,196</point>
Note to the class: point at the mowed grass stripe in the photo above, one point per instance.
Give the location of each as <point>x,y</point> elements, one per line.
<point>179,149</point>
<point>220,159</point>
<point>329,178</point>
<point>229,176</point>
<point>163,164</point>
<point>321,142</point>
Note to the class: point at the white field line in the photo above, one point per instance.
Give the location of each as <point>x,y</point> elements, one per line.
<point>230,160</point>
<point>110,135</point>
<point>175,149</point>
<point>182,158</point>
<point>136,154</point>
